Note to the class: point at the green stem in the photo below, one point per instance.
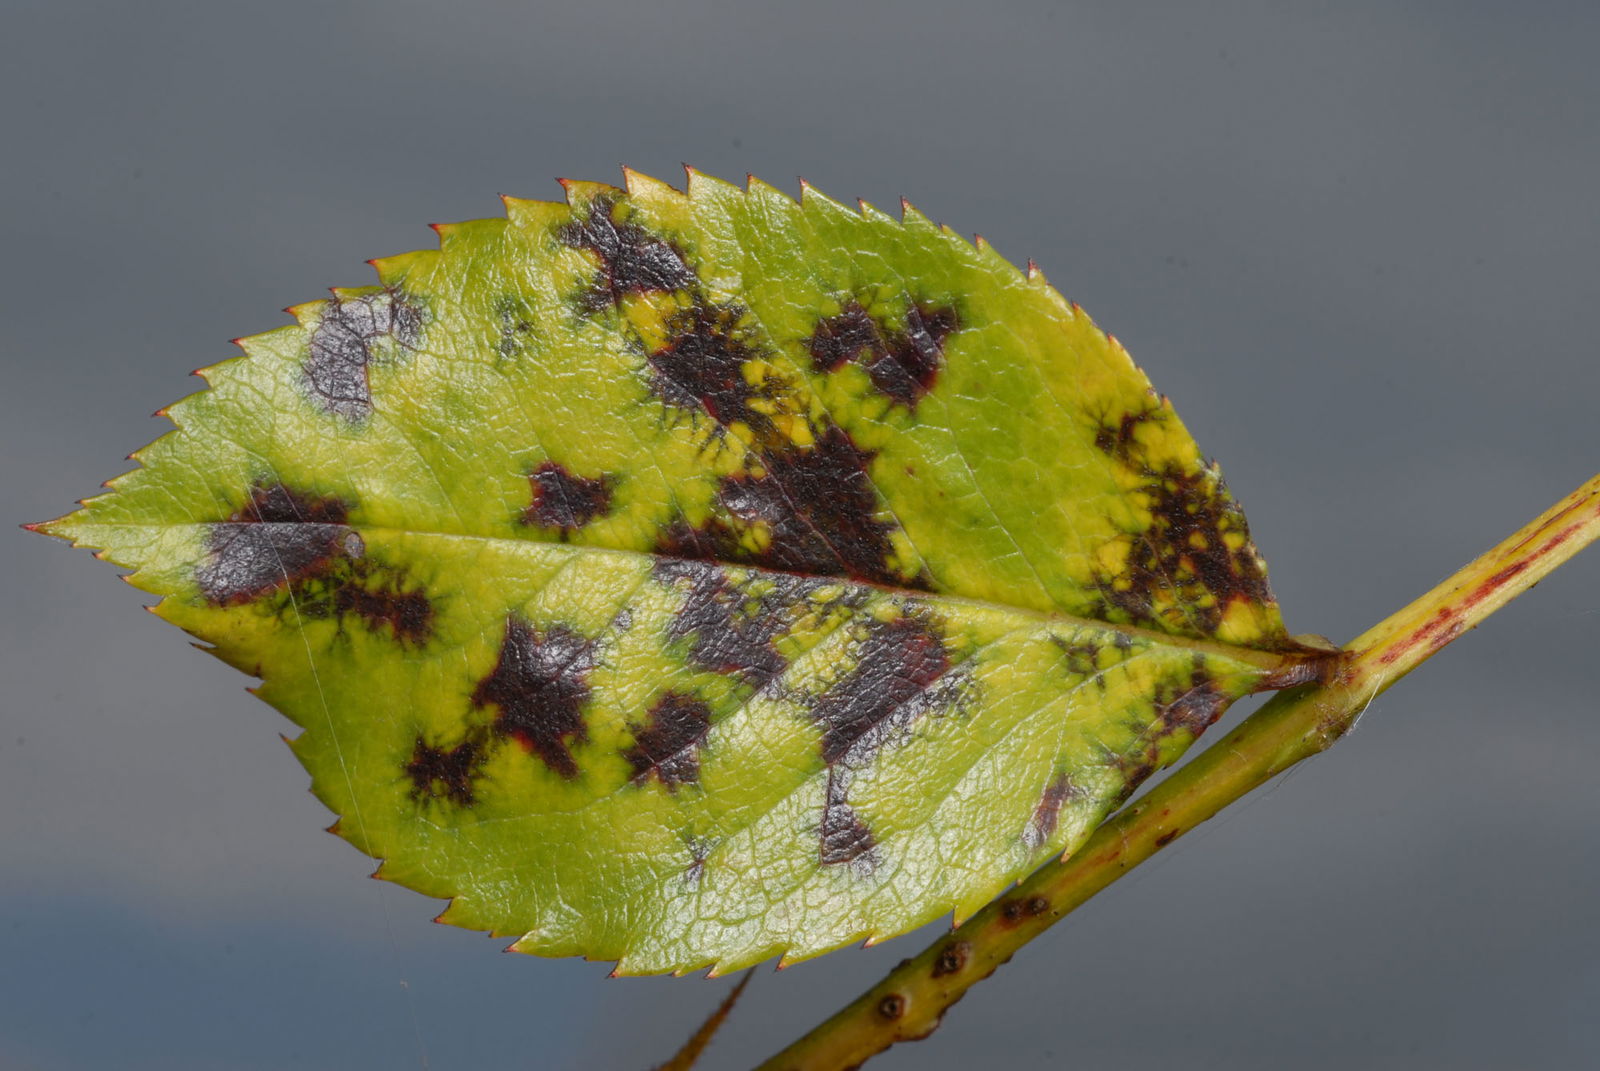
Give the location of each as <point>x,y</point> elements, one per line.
<point>1293,726</point>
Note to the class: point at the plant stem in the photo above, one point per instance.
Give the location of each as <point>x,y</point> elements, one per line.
<point>1293,726</point>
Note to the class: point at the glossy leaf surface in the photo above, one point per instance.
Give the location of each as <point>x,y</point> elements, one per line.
<point>686,579</point>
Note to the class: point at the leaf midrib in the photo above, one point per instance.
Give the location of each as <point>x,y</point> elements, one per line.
<point>1253,656</point>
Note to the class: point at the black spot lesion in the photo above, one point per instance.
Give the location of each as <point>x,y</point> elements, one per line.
<point>1119,435</point>
<point>539,688</point>
<point>799,503</point>
<point>341,348</point>
<point>667,746</point>
<point>1133,767</point>
<point>902,359</point>
<point>846,840</point>
<point>902,672</point>
<point>377,596</point>
<point>566,501</point>
<point>849,335</point>
<point>819,508</point>
<point>802,499</point>
<point>1190,704</point>
<point>447,774</point>
<point>898,661</point>
<point>537,694</point>
<point>1058,792</point>
<point>294,552</point>
<point>1195,558</point>
<point>810,509</point>
<point>731,626</point>
<point>278,538</point>
<point>700,368</point>
<point>632,258</point>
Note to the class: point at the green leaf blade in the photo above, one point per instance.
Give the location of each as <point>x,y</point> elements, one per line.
<point>687,580</point>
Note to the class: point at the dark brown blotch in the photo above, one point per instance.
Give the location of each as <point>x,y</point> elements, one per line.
<point>278,538</point>
<point>700,368</point>
<point>1191,515</point>
<point>1134,768</point>
<point>909,365</point>
<point>713,541</point>
<point>295,550</point>
<point>1186,546</point>
<point>846,840</point>
<point>406,614</point>
<point>566,501</point>
<point>903,361</point>
<point>1118,437</point>
<point>1192,706</point>
<point>891,685</point>
<point>668,745</point>
<point>1047,812</point>
<point>848,336</point>
<point>821,508</point>
<point>446,773</point>
<point>279,504</point>
<point>899,666</point>
<point>732,626</point>
<point>341,349</point>
<point>540,685</point>
<point>816,502</point>
<point>632,259</point>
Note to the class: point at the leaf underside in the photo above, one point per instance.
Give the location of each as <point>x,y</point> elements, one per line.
<point>690,578</point>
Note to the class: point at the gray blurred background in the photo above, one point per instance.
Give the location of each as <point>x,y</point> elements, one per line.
<point>1356,244</point>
